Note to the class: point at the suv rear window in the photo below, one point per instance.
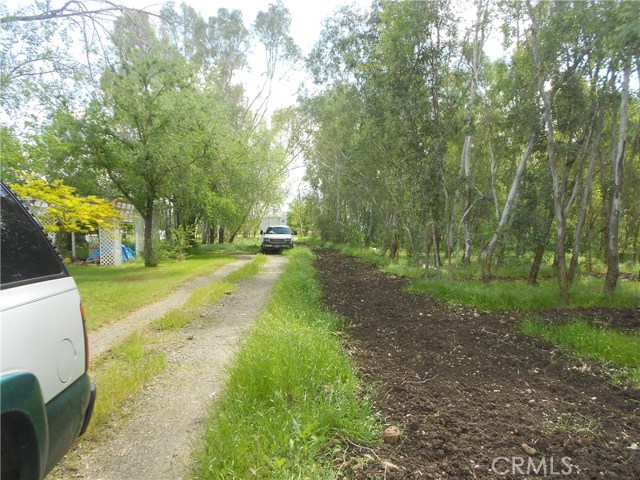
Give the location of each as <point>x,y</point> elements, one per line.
<point>25,252</point>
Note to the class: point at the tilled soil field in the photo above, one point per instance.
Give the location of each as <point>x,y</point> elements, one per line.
<point>472,396</point>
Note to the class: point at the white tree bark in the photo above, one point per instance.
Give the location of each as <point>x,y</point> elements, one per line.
<point>465,167</point>
<point>613,268</point>
<point>558,186</point>
<point>506,211</point>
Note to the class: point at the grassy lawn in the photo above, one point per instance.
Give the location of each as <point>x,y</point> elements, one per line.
<point>620,350</point>
<point>292,394</point>
<point>110,293</point>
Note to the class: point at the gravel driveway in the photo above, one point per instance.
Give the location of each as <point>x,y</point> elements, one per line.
<point>166,420</point>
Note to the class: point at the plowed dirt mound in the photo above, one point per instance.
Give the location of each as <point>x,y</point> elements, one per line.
<point>473,397</point>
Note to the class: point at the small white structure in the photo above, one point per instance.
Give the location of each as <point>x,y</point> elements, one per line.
<point>107,240</point>
<point>110,239</point>
<point>110,246</point>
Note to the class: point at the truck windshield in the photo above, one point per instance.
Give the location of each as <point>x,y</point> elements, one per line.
<point>279,230</point>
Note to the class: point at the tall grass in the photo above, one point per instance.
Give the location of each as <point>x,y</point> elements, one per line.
<point>292,393</point>
<point>110,293</point>
<point>516,294</point>
<point>619,349</point>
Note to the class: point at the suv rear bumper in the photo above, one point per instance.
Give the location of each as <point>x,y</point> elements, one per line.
<point>68,416</point>
<point>92,402</point>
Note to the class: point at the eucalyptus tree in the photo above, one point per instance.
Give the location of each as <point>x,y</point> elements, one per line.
<point>624,45</point>
<point>272,30</point>
<point>342,166</point>
<point>413,92</point>
<point>479,30</point>
<point>387,138</point>
<point>562,44</point>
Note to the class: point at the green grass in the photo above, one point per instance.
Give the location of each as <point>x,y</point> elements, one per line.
<point>516,294</point>
<point>119,375</point>
<point>110,293</point>
<point>248,270</point>
<point>606,345</point>
<point>241,245</point>
<point>292,395</point>
<point>207,295</point>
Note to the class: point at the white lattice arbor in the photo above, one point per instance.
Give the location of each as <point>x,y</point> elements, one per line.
<point>110,246</point>
<point>110,239</point>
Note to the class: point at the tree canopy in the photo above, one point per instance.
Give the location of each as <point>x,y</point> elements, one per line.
<point>419,140</point>
<point>150,113</point>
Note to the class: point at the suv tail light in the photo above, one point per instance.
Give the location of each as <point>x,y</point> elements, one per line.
<point>86,338</point>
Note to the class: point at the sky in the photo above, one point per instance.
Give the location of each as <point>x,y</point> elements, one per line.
<point>307,17</point>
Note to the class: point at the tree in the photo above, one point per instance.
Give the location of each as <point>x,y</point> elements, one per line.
<point>66,211</point>
<point>479,29</point>
<point>36,65</point>
<point>150,124</point>
<point>613,269</point>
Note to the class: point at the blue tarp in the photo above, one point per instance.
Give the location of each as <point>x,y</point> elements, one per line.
<point>127,254</point>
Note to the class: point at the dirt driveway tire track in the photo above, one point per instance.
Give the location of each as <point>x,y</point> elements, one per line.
<point>466,387</point>
<point>106,337</point>
<point>155,441</point>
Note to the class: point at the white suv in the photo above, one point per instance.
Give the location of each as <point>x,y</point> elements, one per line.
<point>46,395</point>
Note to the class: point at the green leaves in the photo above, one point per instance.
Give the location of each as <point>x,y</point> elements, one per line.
<point>66,211</point>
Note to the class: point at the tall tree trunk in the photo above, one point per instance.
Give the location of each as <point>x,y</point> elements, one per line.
<point>613,268</point>
<point>212,233</point>
<point>511,198</point>
<point>466,164</point>
<point>150,254</point>
<point>540,247</point>
<point>494,190</point>
<point>428,240</point>
<point>478,43</point>
<point>437,261</point>
<point>221,235</point>
<point>558,186</point>
<point>368,239</point>
<point>535,265</point>
<point>582,215</point>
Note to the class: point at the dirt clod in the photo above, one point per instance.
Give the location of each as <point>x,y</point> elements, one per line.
<point>391,434</point>
<point>390,467</point>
